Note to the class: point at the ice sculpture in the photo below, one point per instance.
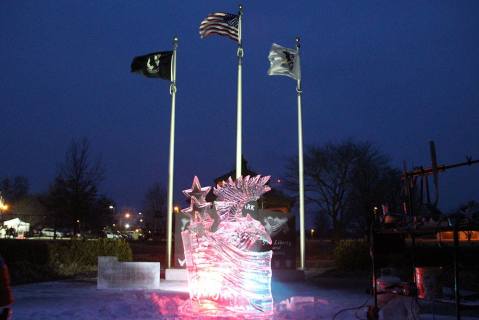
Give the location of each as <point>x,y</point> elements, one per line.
<point>226,276</point>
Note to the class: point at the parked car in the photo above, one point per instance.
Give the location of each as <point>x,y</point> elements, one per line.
<point>109,234</point>
<point>50,232</point>
<point>68,233</point>
<point>6,297</point>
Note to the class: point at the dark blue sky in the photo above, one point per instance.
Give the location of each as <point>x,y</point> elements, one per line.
<point>396,73</point>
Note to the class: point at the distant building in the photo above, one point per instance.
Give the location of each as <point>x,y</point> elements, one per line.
<point>20,227</point>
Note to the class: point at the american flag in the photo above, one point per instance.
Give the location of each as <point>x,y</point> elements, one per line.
<point>224,24</point>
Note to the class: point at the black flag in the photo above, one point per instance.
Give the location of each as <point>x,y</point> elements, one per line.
<point>153,65</point>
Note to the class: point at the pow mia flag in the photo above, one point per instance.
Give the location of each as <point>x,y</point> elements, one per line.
<point>153,65</point>
<point>284,62</point>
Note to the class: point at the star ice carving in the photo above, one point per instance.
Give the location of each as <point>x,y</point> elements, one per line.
<point>197,191</point>
<point>198,209</point>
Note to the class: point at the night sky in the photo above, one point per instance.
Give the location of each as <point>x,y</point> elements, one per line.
<point>396,73</point>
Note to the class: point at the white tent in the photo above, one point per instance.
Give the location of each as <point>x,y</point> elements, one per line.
<point>17,224</point>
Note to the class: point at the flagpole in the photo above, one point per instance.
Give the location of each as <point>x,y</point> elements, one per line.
<point>239,107</point>
<point>169,220</point>
<point>301,172</point>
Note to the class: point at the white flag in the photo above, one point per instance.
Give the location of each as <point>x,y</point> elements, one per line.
<point>284,62</point>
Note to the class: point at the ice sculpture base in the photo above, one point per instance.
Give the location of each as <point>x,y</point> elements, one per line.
<point>195,310</point>
<point>223,278</point>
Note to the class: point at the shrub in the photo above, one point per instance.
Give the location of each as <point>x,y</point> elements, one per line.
<point>32,260</point>
<point>77,256</point>
<point>352,255</point>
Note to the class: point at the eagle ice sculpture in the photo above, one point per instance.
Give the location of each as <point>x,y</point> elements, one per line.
<point>226,277</point>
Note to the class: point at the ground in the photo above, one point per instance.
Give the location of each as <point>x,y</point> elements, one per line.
<point>79,299</point>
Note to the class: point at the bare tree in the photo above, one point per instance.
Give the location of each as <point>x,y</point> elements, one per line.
<point>470,209</point>
<point>342,181</point>
<point>73,196</point>
<point>14,189</point>
<point>83,173</point>
<point>154,207</point>
<point>373,183</point>
<point>31,210</point>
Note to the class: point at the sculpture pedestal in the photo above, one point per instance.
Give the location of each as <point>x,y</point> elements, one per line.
<point>223,279</point>
<point>127,275</point>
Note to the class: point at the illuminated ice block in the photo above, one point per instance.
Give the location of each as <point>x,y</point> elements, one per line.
<point>127,275</point>
<point>226,276</point>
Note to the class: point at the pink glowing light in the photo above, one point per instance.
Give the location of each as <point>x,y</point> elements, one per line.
<point>225,275</point>
<point>295,307</point>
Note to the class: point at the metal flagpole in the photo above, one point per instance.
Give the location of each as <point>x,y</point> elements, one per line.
<point>169,220</point>
<point>239,107</point>
<point>301,172</point>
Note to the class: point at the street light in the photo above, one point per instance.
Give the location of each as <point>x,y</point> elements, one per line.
<point>127,226</point>
<point>176,209</point>
<point>111,207</point>
<point>127,215</point>
<point>3,205</point>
